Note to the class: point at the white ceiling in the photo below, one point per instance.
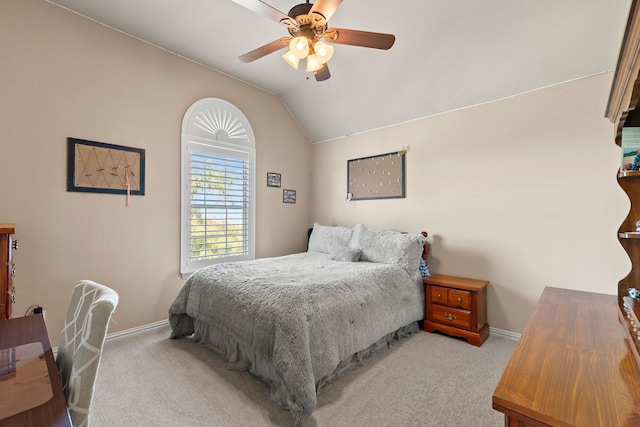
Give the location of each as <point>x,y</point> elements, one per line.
<point>448,54</point>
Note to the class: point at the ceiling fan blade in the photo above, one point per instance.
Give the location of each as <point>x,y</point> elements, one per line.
<point>326,8</point>
<point>323,73</point>
<point>261,8</point>
<point>359,38</point>
<point>265,50</point>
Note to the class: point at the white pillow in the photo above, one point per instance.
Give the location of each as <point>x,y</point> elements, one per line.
<point>326,238</point>
<point>389,247</point>
<point>345,255</point>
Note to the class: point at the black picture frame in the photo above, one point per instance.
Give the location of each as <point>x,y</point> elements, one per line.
<point>274,179</point>
<point>377,177</point>
<point>98,167</point>
<point>288,196</point>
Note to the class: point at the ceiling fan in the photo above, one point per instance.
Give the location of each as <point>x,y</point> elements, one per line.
<point>308,25</point>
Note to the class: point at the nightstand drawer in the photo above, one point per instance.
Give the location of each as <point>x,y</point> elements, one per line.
<point>451,316</point>
<point>451,297</point>
<point>459,298</point>
<point>439,294</point>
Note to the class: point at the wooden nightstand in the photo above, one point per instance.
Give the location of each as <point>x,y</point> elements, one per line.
<point>457,306</point>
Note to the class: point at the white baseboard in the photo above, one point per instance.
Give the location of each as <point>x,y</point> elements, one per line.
<point>127,332</point>
<point>504,334</point>
<point>501,333</point>
<point>136,330</point>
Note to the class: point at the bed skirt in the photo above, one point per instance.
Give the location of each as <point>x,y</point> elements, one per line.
<point>241,357</point>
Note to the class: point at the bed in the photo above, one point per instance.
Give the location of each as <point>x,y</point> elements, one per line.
<point>297,322</point>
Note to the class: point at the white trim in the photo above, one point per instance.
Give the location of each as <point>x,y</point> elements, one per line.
<point>136,330</point>
<point>215,120</point>
<point>501,333</point>
<point>218,125</point>
<point>127,332</point>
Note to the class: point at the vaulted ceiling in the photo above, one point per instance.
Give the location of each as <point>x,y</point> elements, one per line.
<point>448,54</point>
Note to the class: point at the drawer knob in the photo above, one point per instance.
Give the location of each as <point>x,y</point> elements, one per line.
<point>439,295</point>
<point>450,316</point>
<point>459,299</point>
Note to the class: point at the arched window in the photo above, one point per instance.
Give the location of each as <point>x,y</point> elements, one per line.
<point>218,186</point>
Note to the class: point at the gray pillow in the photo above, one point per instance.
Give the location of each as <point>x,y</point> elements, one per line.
<point>389,247</point>
<point>326,238</point>
<point>346,255</point>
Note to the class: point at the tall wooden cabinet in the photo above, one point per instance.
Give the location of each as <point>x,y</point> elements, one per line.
<point>621,110</point>
<point>6,271</point>
<point>577,362</point>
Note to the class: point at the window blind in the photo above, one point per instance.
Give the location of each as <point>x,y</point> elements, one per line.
<point>220,203</point>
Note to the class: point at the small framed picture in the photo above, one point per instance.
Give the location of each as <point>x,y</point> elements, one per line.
<point>630,149</point>
<point>288,196</point>
<point>273,179</point>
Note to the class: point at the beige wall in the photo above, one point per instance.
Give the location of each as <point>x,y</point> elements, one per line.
<point>62,76</point>
<point>521,192</point>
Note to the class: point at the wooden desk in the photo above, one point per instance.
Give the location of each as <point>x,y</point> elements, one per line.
<point>28,329</point>
<point>573,366</point>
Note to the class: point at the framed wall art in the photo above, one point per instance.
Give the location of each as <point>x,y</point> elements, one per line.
<point>376,177</point>
<point>274,179</point>
<point>288,196</point>
<point>96,167</point>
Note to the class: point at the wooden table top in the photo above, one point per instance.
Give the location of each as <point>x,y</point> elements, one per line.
<point>573,365</point>
<point>23,330</point>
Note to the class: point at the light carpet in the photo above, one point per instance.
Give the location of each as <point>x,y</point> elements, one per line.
<point>425,380</point>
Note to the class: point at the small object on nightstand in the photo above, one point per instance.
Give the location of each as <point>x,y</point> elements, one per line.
<point>457,306</point>
<point>424,269</point>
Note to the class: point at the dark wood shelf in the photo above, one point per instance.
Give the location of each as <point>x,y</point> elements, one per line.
<point>630,316</point>
<point>6,270</point>
<point>628,174</point>
<point>622,111</point>
<point>629,234</point>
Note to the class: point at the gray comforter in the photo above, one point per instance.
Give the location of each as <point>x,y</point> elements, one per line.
<point>303,312</point>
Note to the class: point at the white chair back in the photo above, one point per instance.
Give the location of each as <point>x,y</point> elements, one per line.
<point>81,345</point>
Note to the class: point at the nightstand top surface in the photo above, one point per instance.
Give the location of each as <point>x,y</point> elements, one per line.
<point>456,282</point>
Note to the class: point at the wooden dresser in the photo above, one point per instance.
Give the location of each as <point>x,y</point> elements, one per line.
<point>574,366</point>
<point>6,270</point>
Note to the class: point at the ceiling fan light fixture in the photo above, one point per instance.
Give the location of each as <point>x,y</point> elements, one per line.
<point>299,46</point>
<point>308,27</point>
<point>291,59</point>
<point>324,52</point>
<point>312,63</point>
